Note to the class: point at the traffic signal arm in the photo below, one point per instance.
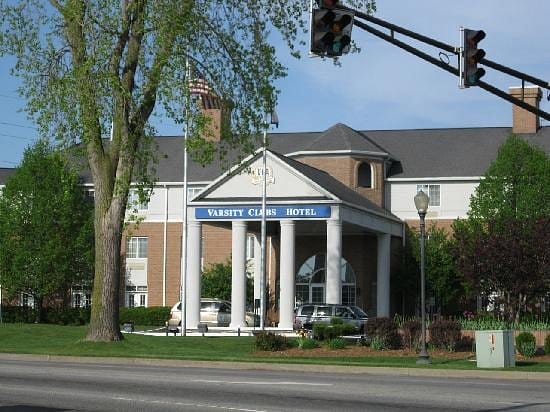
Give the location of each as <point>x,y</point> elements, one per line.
<point>447,67</point>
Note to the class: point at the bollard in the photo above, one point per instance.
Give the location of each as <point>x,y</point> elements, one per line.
<point>239,331</point>
<point>166,327</point>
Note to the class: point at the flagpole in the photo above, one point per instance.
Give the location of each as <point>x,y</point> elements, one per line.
<point>183,281</point>
<point>263,232</point>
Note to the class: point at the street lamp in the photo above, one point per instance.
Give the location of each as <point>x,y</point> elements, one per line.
<point>421,201</point>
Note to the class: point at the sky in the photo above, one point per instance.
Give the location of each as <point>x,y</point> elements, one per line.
<point>382,87</point>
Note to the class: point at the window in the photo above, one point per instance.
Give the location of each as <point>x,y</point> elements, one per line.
<point>136,247</point>
<point>433,192</point>
<point>141,300</point>
<point>364,175</point>
<point>135,203</point>
<point>77,302</point>
<point>250,247</point>
<point>193,191</point>
<point>131,302</point>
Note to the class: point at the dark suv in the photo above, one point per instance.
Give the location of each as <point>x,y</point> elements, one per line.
<point>307,314</point>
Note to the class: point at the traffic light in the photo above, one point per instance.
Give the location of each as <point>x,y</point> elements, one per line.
<point>331,31</point>
<point>471,55</point>
<point>328,4</point>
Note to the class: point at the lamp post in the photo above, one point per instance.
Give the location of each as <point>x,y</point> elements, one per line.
<point>421,201</point>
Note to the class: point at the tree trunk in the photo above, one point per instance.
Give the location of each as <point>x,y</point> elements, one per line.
<point>104,317</point>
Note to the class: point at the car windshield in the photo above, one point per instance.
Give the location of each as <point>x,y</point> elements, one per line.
<point>358,311</point>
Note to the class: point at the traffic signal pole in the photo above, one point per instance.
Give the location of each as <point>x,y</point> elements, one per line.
<point>390,38</point>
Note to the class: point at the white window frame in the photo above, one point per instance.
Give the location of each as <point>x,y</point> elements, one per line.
<point>138,247</point>
<point>427,188</point>
<point>134,202</point>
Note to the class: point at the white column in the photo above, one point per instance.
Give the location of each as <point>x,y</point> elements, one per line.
<point>238,274</point>
<point>257,266</point>
<point>286,295</point>
<point>334,258</point>
<point>194,254</point>
<point>383,276</point>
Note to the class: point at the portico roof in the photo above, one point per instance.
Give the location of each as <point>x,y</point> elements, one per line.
<point>292,182</point>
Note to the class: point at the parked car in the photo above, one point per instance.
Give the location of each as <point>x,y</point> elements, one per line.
<point>307,314</point>
<point>214,312</point>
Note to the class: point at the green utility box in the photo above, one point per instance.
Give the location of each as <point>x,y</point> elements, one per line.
<point>495,349</point>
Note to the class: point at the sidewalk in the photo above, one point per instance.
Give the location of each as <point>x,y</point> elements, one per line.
<point>174,363</point>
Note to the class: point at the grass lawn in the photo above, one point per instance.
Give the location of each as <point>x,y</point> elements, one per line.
<point>69,340</point>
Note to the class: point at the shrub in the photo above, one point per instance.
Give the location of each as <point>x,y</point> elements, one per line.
<point>383,332</point>
<point>526,344</point>
<point>67,316</point>
<point>337,343</point>
<point>307,343</point>
<point>322,331</point>
<point>377,343</point>
<point>270,342</point>
<point>59,316</point>
<point>18,314</point>
<point>152,316</point>
<point>547,345</point>
<point>412,329</point>
<point>336,321</point>
<point>445,334</point>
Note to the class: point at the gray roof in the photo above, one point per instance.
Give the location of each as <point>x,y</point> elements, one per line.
<point>334,186</point>
<point>464,152</point>
<point>343,138</point>
<point>421,153</point>
<point>5,173</point>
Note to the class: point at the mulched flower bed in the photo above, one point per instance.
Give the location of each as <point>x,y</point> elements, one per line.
<point>364,351</point>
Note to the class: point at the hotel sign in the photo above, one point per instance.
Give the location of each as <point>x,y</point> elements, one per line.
<point>255,212</point>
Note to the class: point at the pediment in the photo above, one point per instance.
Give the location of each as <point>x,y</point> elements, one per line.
<point>244,182</point>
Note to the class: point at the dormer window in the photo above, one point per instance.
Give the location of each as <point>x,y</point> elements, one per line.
<point>364,175</point>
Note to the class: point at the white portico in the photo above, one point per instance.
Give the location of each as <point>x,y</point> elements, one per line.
<point>302,202</point>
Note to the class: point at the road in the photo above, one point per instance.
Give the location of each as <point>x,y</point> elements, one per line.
<point>31,385</point>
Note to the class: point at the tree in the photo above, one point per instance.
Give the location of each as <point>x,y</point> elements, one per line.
<point>501,248</point>
<point>46,228</point>
<point>92,66</point>
<point>216,283</point>
<point>443,281</point>
<point>509,263</point>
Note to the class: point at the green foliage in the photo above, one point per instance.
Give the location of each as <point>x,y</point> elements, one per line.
<point>501,246</point>
<point>307,343</point>
<point>267,341</point>
<point>547,345</point>
<point>337,343</point>
<point>46,227</point>
<point>526,344</point>
<point>377,343</point>
<point>89,67</point>
<point>216,283</point>
<point>322,331</point>
<point>445,334</point>
<point>516,185</point>
<point>151,316</point>
<point>336,321</point>
<point>443,281</point>
<point>412,330</point>
<point>58,316</point>
<point>383,333</point>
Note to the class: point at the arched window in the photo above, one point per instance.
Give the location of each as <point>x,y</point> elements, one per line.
<point>311,281</point>
<point>364,175</point>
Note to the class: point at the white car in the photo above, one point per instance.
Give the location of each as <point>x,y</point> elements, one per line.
<point>214,312</point>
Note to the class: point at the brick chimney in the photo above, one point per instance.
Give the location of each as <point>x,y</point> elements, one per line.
<point>219,114</point>
<point>524,121</point>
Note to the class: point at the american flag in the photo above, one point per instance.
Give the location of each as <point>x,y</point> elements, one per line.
<point>198,86</point>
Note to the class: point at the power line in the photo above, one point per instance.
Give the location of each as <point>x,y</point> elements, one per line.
<point>18,125</point>
<point>17,137</point>
<point>11,97</point>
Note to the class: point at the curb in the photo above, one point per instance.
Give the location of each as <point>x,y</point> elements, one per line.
<point>367,370</point>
